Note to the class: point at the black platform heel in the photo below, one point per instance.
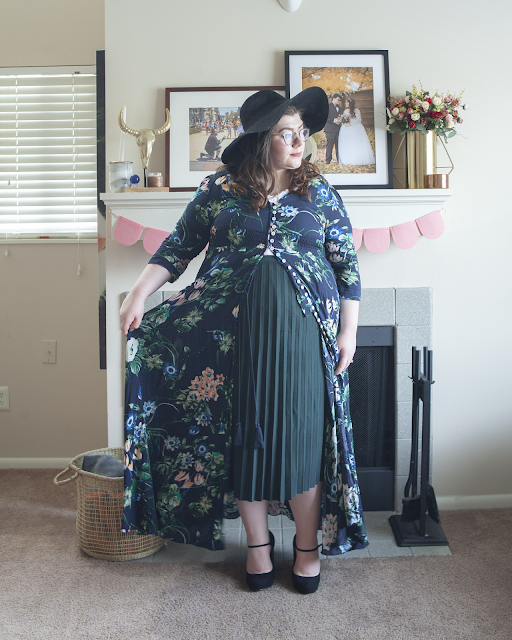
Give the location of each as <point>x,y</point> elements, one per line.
<point>260,581</point>
<point>304,584</point>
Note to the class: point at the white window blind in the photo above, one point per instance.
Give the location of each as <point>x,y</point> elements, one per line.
<point>48,153</point>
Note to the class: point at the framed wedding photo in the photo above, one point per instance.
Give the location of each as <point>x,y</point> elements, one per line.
<point>354,148</point>
<point>203,122</point>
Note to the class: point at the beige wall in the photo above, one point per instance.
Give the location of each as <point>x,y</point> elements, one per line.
<point>468,268</point>
<point>57,410</point>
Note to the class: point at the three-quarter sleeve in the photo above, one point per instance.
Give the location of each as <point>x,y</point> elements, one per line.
<point>340,250</point>
<point>357,119</point>
<point>190,235</point>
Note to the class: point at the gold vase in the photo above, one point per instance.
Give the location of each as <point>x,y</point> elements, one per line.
<point>420,159</point>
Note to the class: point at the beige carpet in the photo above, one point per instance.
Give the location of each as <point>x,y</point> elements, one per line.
<point>51,590</point>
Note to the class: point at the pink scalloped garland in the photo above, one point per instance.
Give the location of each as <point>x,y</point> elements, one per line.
<point>376,240</point>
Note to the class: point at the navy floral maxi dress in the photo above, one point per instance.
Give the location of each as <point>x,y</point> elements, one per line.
<point>180,364</point>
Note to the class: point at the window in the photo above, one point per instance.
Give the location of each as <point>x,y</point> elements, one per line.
<point>48,153</point>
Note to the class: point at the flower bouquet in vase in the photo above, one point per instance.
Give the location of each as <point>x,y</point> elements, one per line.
<point>433,116</point>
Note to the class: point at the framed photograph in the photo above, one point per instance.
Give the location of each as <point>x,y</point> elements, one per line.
<point>203,122</point>
<point>353,151</point>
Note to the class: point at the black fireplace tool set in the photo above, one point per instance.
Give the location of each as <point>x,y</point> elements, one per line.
<point>418,525</point>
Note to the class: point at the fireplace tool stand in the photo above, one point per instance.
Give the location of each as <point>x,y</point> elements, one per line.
<point>415,527</point>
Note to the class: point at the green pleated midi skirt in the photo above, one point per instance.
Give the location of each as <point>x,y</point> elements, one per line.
<point>279,381</point>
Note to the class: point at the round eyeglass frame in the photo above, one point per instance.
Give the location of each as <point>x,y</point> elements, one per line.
<point>290,137</point>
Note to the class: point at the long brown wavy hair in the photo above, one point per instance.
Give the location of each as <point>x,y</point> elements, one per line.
<point>253,175</point>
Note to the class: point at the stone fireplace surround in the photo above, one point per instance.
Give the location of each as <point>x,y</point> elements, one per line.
<point>409,311</point>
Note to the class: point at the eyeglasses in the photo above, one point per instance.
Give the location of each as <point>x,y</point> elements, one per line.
<point>290,137</point>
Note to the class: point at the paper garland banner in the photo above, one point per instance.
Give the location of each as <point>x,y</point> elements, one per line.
<point>126,231</point>
<point>376,240</point>
<point>404,235</point>
<point>153,238</point>
<point>357,237</point>
<point>431,226</point>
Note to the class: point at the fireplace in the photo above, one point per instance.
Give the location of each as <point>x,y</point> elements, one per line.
<point>397,319</point>
<point>372,409</point>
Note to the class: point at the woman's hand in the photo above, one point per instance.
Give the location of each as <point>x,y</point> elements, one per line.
<point>131,313</point>
<point>346,339</point>
<point>132,309</point>
<point>346,348</point>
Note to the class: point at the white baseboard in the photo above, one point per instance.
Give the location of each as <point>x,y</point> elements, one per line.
<point>497,501</point>
<point>34,463</point>
<point>445,503</point>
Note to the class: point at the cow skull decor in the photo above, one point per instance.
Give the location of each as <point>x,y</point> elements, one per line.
<point>145,137</point>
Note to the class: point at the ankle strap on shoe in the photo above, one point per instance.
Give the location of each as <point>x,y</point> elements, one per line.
<point>308,550</point>
<point>255,546</point>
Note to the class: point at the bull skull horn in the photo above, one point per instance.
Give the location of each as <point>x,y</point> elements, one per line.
<point>123,126</point>
<point>166,126</point>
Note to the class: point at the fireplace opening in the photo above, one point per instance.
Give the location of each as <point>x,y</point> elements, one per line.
<point>372,409</point>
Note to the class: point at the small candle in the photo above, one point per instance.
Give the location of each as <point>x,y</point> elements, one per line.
<point>155,180</point>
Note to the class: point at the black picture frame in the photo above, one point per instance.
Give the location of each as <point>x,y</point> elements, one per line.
<point>364,77</point>
<point>179,176</point>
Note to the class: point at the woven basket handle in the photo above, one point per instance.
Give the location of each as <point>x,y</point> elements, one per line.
<point>61,482</point>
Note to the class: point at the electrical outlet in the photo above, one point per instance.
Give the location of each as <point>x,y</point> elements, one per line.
<point>4,398</point>
<point>49,351</point>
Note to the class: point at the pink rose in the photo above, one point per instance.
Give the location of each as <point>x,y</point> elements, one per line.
<point>449,117</point>
<point>459,120</point>
<point>455,103</point>
<point>399,116</point>
<point>448,98</point>
<point>423,121</point>
<point>445,112</point>
<point>402,100</point>
<point>409,111</point>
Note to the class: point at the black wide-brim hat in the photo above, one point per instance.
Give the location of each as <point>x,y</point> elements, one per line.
<point>263,110</point>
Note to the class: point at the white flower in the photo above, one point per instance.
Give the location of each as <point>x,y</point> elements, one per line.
<point>415,116</point>
<point>395,111</point>
<point>437,101</point>
<point>425,106</point>
<point>391,120</point>
<point>466,107</point>
<point>132,346</point>
<point>450,124</point>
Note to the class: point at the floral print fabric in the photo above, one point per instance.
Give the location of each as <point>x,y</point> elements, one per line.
<point>179,363</point>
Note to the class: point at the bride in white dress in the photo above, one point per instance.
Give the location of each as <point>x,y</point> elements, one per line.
<point>353,144</point>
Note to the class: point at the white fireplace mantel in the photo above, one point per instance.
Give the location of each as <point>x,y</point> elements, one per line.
<point>367,208</point>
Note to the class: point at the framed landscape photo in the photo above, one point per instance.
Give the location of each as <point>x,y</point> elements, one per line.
<point>204,121</point>
<point>354,148</point>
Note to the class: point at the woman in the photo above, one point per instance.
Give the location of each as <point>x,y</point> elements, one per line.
<point>238,383</point>
<point>353,144</point>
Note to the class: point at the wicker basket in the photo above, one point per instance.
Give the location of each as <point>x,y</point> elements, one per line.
<point>100,514</point>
